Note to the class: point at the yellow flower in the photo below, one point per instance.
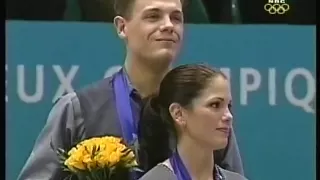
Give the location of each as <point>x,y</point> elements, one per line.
<point>114,158</point>
<point>89,162</point>
<point>98,153</point>
<point>111,139</point>
<point>75,162</point>
<point>102,160</point>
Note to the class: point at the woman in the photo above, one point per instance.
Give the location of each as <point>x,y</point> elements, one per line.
<point>191,115</point>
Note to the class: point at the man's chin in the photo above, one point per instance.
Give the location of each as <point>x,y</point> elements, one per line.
<point>165,54</point>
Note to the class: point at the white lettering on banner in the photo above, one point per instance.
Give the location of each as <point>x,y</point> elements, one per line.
<point>65,80</point>
<point>306,101</point>
<point>110,71</point>
<point>6,97</point>
<point>251,81</point>
<point>39,85</point>
<point>245,87</point>
<point>272,86</point>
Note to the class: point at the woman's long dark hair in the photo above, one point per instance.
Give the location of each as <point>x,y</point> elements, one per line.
<point>153,134</point>
<point>156,129</point>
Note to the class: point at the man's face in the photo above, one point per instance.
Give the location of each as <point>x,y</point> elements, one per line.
<point>154,30</point>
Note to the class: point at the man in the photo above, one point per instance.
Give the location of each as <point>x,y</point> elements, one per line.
<point>153,32</point>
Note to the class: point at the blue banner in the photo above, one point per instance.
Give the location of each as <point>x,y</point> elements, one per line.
<point>272,71</point>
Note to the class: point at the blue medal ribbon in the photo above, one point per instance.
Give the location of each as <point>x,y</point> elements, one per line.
<point>178,167</point>
<point>123,106</point>
<point>124,110</point>
<point>181,171</point>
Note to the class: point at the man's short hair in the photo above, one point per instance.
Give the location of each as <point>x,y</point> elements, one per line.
<point>124,7</point>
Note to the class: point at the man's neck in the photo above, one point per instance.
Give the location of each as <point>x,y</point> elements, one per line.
<point>143,78</point>
<point>197,159</point>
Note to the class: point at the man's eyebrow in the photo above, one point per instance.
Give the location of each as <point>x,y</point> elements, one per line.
<point>152,9</point>
<point>177,12</point>
<point>155,9</point>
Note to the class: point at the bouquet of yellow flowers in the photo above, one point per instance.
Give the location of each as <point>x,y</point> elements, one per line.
<point>99,158</point>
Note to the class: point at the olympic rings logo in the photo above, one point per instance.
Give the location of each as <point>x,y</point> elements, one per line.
<point>277,8</point>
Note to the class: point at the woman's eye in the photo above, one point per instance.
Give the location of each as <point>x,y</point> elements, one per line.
<point>216,104</point>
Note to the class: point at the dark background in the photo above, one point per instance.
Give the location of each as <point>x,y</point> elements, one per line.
<point>199,11</point>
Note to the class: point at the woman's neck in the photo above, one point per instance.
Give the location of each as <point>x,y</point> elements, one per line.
<point>198,160</point>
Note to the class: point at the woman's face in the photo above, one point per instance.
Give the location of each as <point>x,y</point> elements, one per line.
<point>209,120</point>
